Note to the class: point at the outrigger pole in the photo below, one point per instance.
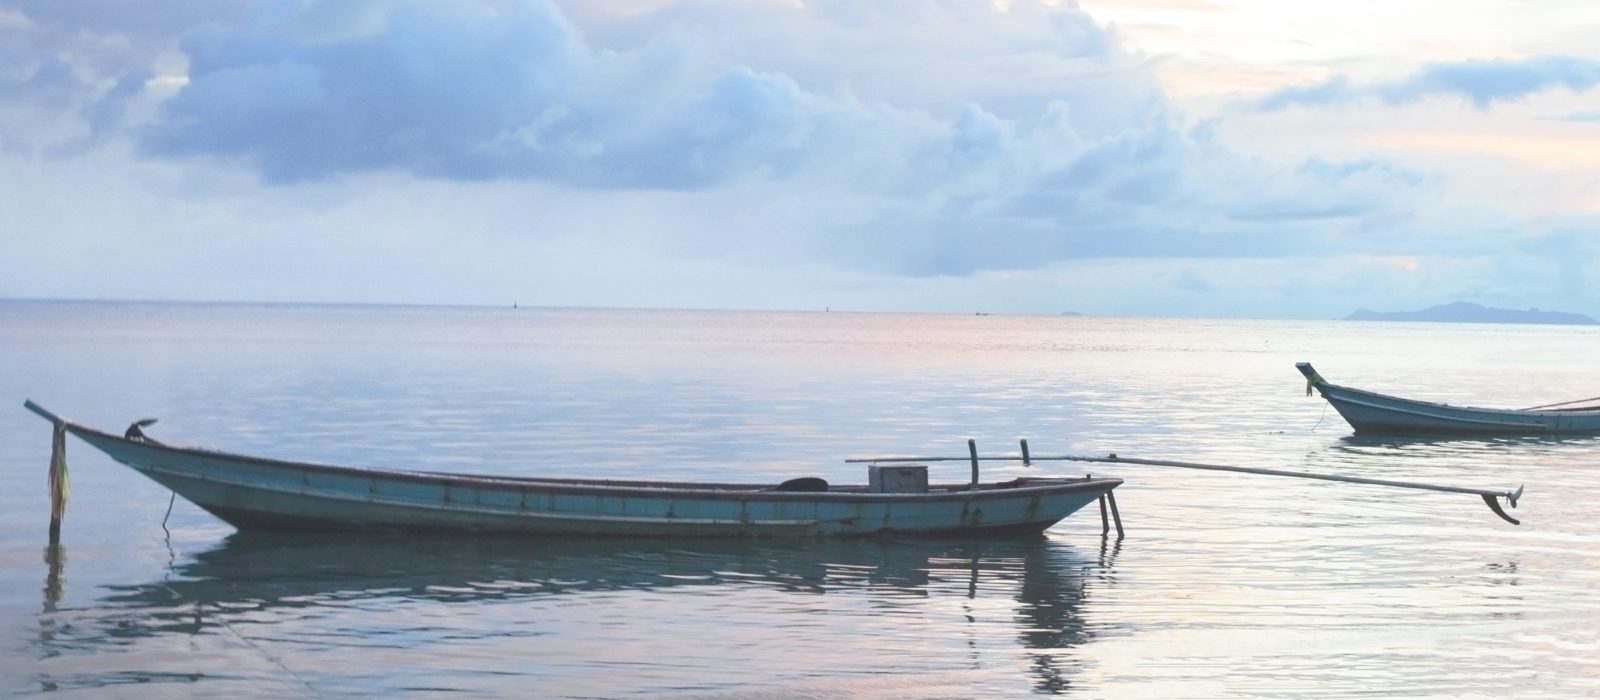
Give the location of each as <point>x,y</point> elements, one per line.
<point>1490,496</point>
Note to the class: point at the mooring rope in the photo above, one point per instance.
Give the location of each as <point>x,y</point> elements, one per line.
<point>222,621</point>
<point>220,617</point>
<point>170,501</point>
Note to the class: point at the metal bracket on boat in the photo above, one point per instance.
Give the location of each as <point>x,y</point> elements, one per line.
<point>1511,498</point>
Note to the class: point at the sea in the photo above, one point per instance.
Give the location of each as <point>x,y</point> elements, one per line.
<point>1224,585</point>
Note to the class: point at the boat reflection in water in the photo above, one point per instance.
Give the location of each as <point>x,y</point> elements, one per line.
<point>333,613</point>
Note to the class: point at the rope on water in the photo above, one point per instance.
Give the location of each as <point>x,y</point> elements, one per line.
<point>222,621</point>
<point>170,501</point>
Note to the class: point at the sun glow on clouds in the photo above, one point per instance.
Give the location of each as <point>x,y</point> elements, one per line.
<point>1577,149</point>
<point>167,83</point>
<point>1402,264</point>
<point>1370,39</point>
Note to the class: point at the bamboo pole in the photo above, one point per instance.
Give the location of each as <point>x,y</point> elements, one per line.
<point>1489,495</point>
<point>1564,403</point>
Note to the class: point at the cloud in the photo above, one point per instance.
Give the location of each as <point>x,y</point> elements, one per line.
<point>923,138</point>
<point>1481,82</point>
<point>1089,165</point>
<point>137,22</point>
<point>1334,172</point>
<point>436,91</point>
<point>1572,252</point>
<point>1485,82</point>
<point>72,72</point>
<point>469,92</point>
<point>1583,117</point>
<point>50,85</point>
<point>1335,89</point>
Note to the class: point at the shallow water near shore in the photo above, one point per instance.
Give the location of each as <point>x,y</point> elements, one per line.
<point>1225,586</point>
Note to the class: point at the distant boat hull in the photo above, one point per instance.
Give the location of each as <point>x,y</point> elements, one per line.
<point>1371,413</point>
<point>253,493</point>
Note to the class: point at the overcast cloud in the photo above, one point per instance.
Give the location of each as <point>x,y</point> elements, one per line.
<point>859,145</point>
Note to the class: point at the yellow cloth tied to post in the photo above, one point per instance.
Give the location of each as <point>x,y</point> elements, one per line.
<point>1312,381</point>
<point>59,488</point>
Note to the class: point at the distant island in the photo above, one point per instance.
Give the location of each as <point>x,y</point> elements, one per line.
<point>1465,312</point>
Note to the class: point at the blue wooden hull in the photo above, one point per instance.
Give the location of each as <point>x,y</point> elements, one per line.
<point>257,493</point>
<point>1371,413</point>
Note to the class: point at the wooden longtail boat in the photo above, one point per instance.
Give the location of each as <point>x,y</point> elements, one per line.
<point>259,493</point>
<point>1380,414</point>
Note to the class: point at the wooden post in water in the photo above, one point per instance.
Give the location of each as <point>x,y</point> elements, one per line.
<point>1025,461</point>
<point>58,479</point>
<point>972,449</point>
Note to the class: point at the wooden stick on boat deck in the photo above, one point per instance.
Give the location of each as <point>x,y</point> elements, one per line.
<point>972,448</point>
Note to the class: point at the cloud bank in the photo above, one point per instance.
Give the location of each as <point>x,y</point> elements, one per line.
<point>469,92</point>
<point>1086,160</point>
<point>1482,83</point>
<point>906,139</point>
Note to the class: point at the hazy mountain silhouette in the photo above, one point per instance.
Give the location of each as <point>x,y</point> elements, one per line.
<point>1466,312</point>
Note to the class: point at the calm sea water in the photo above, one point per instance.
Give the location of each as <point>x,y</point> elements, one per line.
<point>1226,585</point>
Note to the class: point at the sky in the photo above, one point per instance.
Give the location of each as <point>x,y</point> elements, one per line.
<point>1192,158</point>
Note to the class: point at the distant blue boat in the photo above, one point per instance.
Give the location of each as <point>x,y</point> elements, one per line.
<point>257,493</point>
<point>1379,414</point>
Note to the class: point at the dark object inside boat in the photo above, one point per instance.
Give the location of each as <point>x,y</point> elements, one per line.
<point>135,431</point>
<point>803,484</point>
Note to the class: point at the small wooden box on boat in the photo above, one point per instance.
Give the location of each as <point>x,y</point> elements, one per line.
<point>897,478</point>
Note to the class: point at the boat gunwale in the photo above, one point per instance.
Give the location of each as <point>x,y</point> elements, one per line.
<point>1018,487</point>
<point>1374,413</point>
<point>1406,406</point>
